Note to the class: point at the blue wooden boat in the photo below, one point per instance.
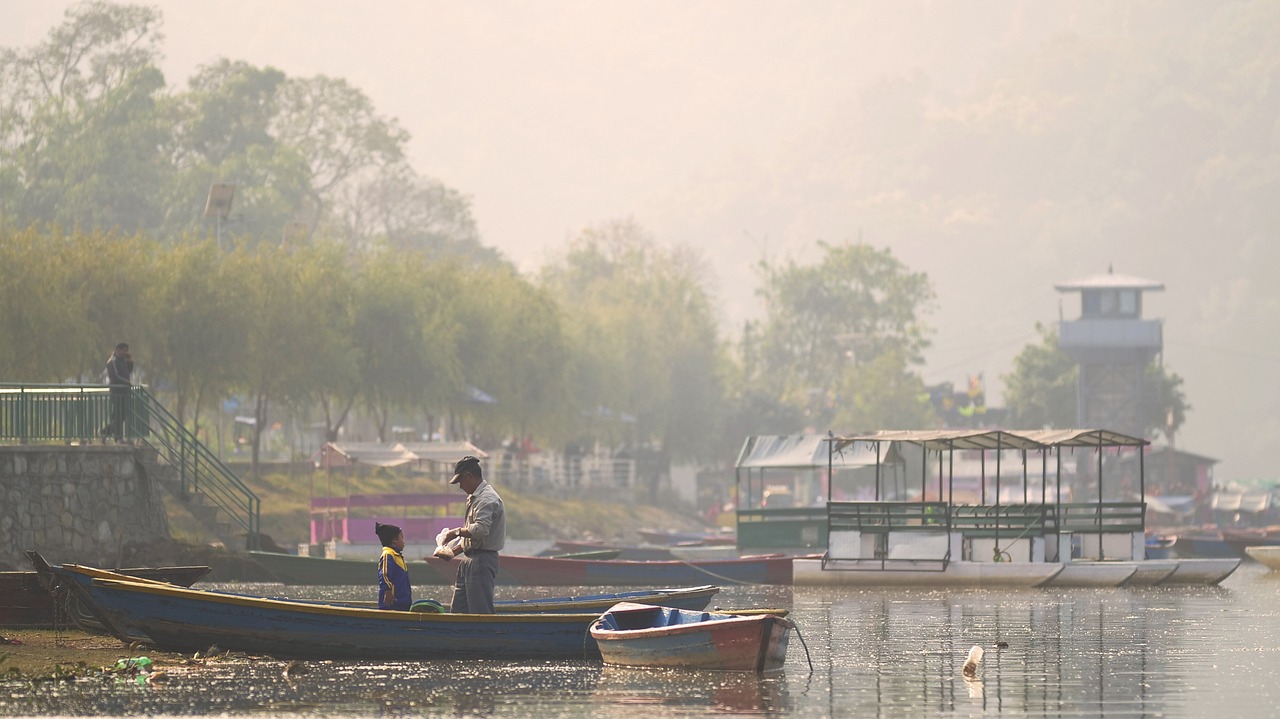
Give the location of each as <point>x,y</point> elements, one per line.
<point>641,635</point>
<point>540,571</point>
<point>692,598</point>
<point>187,620</point>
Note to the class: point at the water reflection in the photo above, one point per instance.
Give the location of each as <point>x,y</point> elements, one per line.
<point>1092,652</point>
<point>660,690</point>
<point>1177,652</point>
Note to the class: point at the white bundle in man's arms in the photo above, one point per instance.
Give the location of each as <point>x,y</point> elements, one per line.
<point>448,543</point>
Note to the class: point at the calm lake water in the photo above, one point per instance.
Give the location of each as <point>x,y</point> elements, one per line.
<point>1175,652</point>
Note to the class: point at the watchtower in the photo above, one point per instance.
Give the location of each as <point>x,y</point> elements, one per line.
<point>1113,346</point>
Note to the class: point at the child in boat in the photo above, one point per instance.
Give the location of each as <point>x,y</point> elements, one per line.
<point>394,591</point>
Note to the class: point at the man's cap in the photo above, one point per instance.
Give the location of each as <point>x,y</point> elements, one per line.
<point>122,345</point>
<point>466,465</point>
<point>387,533</point>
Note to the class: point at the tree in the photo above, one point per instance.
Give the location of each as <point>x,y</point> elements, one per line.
<point>883,394</point>
<point>106,277</point>
<point>333,127</point>
<point>79,132</point>
<point>1042,390</point>
<point>222,133</point>
<point>409,212</point>
<point>292,346</point>
<point>855,306</point>
<point>197,327</point>
<point>511,344</point>
<point>43,326</point>
<point>401,361</point>
<point>646,362</point>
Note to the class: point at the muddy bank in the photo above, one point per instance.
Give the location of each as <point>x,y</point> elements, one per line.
<point>46,653</point>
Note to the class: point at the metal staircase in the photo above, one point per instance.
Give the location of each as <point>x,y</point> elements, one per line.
<point>164,448</point>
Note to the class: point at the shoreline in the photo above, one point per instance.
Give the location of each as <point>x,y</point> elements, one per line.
<point>52,653</point>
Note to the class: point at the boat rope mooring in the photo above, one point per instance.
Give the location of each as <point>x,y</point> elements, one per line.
<point>804,644</point>
<point>726,580</point>
<point>1002,555</point>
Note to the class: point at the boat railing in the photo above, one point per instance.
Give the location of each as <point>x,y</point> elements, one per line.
<point>1104,518</point>
<point>984,520</point>
<point>785,528</point>
<point>1106,530</point>
<point>887,536</point>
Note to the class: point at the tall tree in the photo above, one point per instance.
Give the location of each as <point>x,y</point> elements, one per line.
<point>409,212</point>
<point>334,128</point>
<point>197,327</point>
<point>292,346</point>
<point>853,307</point>
<point>511,344</point>
<point>79,131</point>
<point>222,133</point>
<point>401,360</point>
<point>647,348</point>
<point>43,325</point>
<point>1041,391</point>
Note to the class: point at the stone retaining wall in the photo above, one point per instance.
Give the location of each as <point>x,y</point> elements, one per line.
<point>75,504</point>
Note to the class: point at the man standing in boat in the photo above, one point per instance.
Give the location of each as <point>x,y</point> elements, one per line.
<point>482,536</point>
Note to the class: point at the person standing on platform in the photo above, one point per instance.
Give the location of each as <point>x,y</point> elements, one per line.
<point>483,535</point>
<point>394,591</point>
<point>119,379</point>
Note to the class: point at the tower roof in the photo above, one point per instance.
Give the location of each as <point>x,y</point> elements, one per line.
<point>1109,281</point>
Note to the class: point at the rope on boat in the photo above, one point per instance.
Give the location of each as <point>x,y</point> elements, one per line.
<point>803,644</point>
<point>727,580</point>
<point>1001,555</point>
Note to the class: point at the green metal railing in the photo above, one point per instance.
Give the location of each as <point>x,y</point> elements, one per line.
<point>787,528</point>
<point>80,413</point>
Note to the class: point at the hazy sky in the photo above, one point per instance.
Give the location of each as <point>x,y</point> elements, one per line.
<point>714,124</point>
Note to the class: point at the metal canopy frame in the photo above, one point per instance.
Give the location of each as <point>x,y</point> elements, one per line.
<point>1045,441</point>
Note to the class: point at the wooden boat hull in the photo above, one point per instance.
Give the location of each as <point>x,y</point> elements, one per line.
<point>188,620</point>
<point>690,598</point>
<point>636,636</point>
<point>24,602</point>
<point>516,570</point>
<point>1267,555</point>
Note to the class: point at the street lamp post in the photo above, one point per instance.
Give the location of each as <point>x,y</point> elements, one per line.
<point>218,205</point>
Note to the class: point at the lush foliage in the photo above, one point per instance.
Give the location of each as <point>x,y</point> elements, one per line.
<point>1042,390</point>
<point>840,339</point>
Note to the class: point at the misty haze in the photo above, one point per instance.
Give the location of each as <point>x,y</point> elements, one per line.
<point>984,152</point>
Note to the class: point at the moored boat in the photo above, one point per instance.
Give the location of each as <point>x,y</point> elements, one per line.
<point>647,636</point>
<point>24,602</point>
<point>541,571</point>
<point>1268,555</point>
<point>1093,574</point>
<point>1202,571</point>
<point>692,598</point>
<point>929,574</point>
<point>185,620</point>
